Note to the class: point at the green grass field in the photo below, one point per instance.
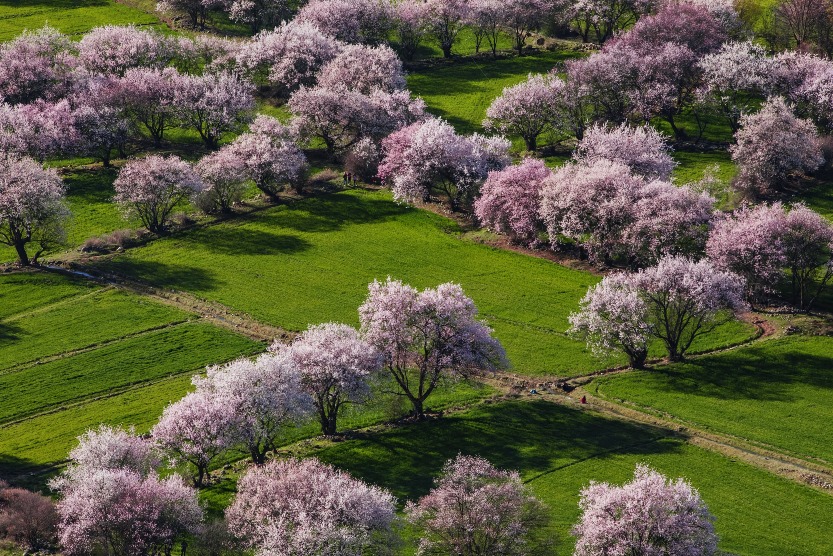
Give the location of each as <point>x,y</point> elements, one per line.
<point>778,392</point>
<point>73,17</point>
<point>311,262</point>
<point>79,322</point>
<point>559,450</point>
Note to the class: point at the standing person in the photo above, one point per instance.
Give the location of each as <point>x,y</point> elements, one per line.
<point>344,178</point>
<point>349,178</point>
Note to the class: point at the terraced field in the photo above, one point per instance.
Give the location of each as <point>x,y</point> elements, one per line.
<point>69,346</point>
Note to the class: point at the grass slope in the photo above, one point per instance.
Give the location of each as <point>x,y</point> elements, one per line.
<point>558,450</point>
<point>25,291</point>
<point>778,392</point>
<point>78,322</point>
<point>311,263</point>
<point>73,17</point>
<point>137,359</point>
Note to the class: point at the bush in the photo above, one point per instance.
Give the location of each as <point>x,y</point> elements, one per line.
<point>27,518</point>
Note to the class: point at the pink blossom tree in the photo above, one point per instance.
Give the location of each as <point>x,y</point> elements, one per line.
<point>99,118</point>
<point>195,431</point>
<point>614,318</point>
<point>300,507</point>
<point>32,207</point>
<point>364,69</point>
<point>590,205</point>
<point>509,200</point>
<point>224,174</point>
<point>259,14</point>
<point>432,157</point>
<point>151,187</point>
<point>351,21</point>
<point>476,509</point>
<point>649,515</point>
<point>660,53</point>
<point>808,249</point>
<point>615,216</point>
<point>642,149</point>
<point>213,104</point>
<point>484,19</point>
<point>270,156</point>
<point>687,299</point>
<point>426,336</point>
<point>603,18</point>
<point>749,243</point>
<point>667,220</point>
<point>110,448</point>
<point>149,96</point>
<point>290,55</point>
<point>522,17</point>
<point>363,159</point>
<point>112,498</point>
<point>40,129</point>
<point>599,87</point>
<point>772,145</point>
<point>114,49</point>
<point>120,512</point>
<point>444,19</point>
<point>410,23</point>
<point>28,519</point>
<point>527,109</point>
<point>36,65</point>
<point>336,365</point>
<point>262,398</point>
<point>736,73</point>
<point>340,117</point>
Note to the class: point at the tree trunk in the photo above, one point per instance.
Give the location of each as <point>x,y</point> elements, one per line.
<point>419,410</point>
<point>678,133</point>
<point>446,50</point>
<point>531,143</point>
<point>22,255</point>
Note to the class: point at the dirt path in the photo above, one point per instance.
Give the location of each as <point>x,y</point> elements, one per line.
<point>214,312</point>
<point>810,473</point>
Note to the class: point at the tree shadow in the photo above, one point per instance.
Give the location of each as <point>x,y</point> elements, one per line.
<point>535,437</point>
<point>162,274</point>
<point>9,332</point>
<point>332,212</point>
<point>758,372</point>
<point>236,240</point>
<point>24,473</point>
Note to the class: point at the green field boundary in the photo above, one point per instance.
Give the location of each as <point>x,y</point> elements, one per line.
<point>815,473</point>
<point>92,347</point>
<point>60,302</point>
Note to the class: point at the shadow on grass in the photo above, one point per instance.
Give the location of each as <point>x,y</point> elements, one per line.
<point>24,473</point>
<point>9,333</point>
<point>161,274</point>
<point>237,240</point>
<point>330,213</point>
<point>535,437</point>
<point>759,372</point>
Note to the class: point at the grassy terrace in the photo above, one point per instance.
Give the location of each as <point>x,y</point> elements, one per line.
<point>311,262</point>
<point>777,393</point>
